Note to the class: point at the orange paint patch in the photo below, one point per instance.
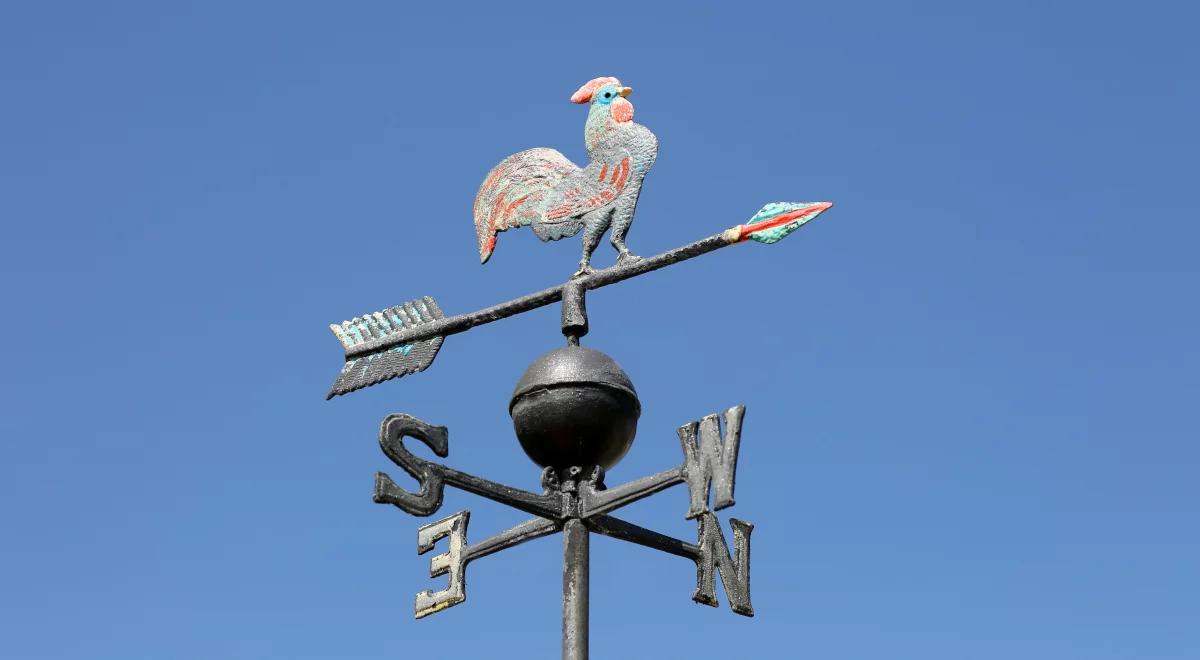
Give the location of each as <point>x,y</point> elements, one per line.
<point>492,179</point>
<point>494,215</point>
<point>622,111</point>
<point>511,207</point>
<point>620,174</point>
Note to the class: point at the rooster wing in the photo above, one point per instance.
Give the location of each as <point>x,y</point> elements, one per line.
<point>593,188</point>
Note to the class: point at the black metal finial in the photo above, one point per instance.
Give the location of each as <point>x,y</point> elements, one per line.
<point>575,406</point>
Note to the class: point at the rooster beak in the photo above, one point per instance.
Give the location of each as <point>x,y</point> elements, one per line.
<point>625,91</point>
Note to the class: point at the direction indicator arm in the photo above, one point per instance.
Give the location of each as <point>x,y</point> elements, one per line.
<point>627,531</point>
<point>545,506</point>
<point>711,555</point>
<point>433,477</point>
<point>453,563</point>
<point>594,502</point>
<point>526,531</point>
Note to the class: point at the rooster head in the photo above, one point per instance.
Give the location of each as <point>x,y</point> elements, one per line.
<point>607,91</point>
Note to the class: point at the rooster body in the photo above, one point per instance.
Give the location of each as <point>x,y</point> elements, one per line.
<point>542,189</point>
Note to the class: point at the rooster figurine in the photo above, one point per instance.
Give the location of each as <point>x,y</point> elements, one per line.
<point>542,189</point>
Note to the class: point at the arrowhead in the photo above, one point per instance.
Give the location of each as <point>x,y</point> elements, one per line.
<point>778,219</point>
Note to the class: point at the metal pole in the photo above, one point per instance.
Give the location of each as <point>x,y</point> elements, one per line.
<point>575,590</point>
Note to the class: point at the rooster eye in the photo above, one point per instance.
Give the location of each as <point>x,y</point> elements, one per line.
<point>608,95</point>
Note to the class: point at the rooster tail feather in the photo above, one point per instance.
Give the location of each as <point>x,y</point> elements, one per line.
<point>514,192</point>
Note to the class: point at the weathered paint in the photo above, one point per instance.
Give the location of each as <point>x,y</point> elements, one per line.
<point>393,361</point>
<point>584,93</point>
<point>776,220</point>
<point>451,563</point>
<point>557,198</point>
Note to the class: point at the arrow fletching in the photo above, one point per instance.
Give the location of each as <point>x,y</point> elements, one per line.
<point>387,363</point>
<point>776,220</point>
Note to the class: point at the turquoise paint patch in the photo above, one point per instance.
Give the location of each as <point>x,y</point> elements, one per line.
<point>773,210</point>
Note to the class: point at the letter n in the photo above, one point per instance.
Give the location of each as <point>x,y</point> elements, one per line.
<point>710,460</point>
<point>714,557</point>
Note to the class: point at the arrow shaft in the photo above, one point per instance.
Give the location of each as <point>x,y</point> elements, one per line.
<point>594,280</point>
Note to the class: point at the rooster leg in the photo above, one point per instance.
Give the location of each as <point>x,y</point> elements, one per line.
<point>622,221</point>
<point>592,232</point>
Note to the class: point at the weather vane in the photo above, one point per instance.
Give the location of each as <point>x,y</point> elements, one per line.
<point>574,410</point>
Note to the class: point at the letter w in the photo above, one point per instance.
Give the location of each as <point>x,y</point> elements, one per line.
<point>710,459</point>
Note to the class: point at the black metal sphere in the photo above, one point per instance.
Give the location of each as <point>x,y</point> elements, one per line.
<point>575,407</point>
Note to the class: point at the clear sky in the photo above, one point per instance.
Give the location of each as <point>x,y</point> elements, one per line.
<point>971,386</point>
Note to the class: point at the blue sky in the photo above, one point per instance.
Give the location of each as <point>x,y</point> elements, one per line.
<point>971,386</point>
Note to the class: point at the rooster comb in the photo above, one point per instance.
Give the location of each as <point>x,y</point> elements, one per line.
<point>584,95</point>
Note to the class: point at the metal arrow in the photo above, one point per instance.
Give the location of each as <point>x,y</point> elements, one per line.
<point>406,338</point>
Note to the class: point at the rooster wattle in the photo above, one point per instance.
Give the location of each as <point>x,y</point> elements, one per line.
<point>542,189</point>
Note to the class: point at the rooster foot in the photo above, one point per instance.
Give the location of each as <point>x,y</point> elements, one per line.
<point>627,257</point>
<point>584,269</point>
